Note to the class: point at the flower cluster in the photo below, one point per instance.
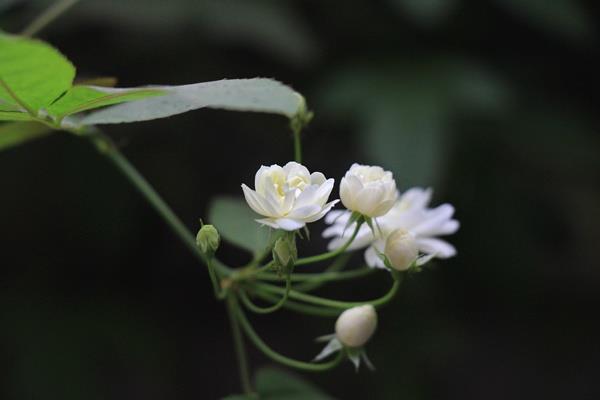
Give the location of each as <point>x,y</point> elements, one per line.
<point>398,231</point>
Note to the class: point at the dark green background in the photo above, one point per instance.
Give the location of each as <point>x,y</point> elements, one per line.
<point>494,103</point>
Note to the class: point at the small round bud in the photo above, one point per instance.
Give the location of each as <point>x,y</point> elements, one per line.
<point>355,326</point>
<point>285,253</point>
<point>401,250</point>
<point>208,240</point>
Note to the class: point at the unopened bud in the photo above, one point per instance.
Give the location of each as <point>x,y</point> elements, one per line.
<point>285,253</point>
<point>208,240</point>
<point>401,250</point>
<point>355,326</point>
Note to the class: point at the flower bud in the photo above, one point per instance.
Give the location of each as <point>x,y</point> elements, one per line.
<point>370,191</point>
<point>208,240</point>
<point>285,253</point>
<point>401,250</point>
<point>355,326</point>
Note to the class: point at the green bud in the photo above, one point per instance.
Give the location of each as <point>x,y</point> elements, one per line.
<point>285,253</point>
<point>208,240</point>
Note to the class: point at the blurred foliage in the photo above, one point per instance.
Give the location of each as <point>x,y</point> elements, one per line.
<point>273,384</point>
<point>493,102</point>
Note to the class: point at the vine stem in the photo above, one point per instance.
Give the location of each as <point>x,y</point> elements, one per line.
<point>330,254</point>
<point>290,362</point>
<point>46,17</point>
<point>270,309</point>
<point>298,145</point>
<point>107,148</point>
<point>238,341</point>
<point>320,301</point>
<point>320,276</point>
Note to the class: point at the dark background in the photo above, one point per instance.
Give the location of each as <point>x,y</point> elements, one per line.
<point>493,103</point>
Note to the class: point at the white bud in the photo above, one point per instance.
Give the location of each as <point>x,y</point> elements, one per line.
<point>401,249</point>
<point>370,191</point>
<point>355,326</point>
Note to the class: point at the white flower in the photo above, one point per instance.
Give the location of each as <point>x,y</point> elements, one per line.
<point>289,197</point>
<point>353,329</point>
<point>371,191</point>
<point>401,249</point>
<point>355,326</point>
<point>410,213</point>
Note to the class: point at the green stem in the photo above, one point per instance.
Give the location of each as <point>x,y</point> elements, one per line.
<point>300,307</point>
<point>337,265</point>
<point>106,147</point>
<point>49,15</point>
<point>297,146</point>
<point>330,254</point>
<point>320,301</point>
<point>290,362</point>
<point>238,341</point>
<point>266,251</point>
<point>267,310</point>
<point>320,277</point>
<point>219,292</point>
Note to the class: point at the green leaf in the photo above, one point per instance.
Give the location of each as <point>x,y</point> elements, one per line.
<point>15,116</point>
<point>258,95</point>
<point>15,133</point>
<point>36,72</point>
<point>275,384</point>
<point>406,110</point>
<point>82,98</point>
<point>236,223</point>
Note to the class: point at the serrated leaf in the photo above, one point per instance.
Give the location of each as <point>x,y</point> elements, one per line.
<point>236,223</point>
<point>258,95</point>
<point>84,97</point>
<point>36,72</point>
<point>15,133</point>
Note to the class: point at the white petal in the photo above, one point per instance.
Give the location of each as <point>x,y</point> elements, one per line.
<point>338,217</point>
<point>331,347</point>
<point>322,213</point>
<point>317,178</point>
<point>349,188</point>
<point>288,224</point>
<point>424,259</point>
<point>355,360</point>
<point>368,199</point>
<point>383,207</point>
<point>268,222</point>
<point>417,197</point>
<point>372,258</point>
<point>256,202</point>
<point>434,221</point>
<point>307,197</point>
<point>336,243</point>
<point>293,168</point>
<point>304,212</point>
<point>324,191</point>
<point>440,248</point>
<point>334,230</point>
